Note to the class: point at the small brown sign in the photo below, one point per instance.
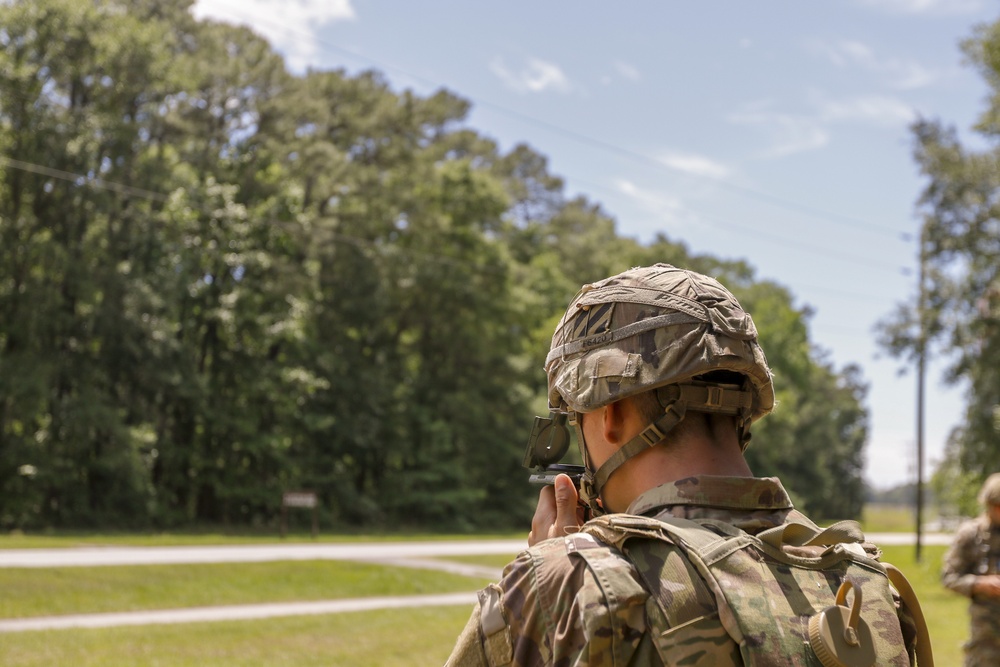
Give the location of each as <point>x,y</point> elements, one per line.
<point>299,499</point>
<point>304,499</point>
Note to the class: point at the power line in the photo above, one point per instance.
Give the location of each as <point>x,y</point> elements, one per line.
<point>779,239</point>
<point>149,195</point>
<point>82,179</point>
<point>774,238</point>
<point>606,146</point>
<point>141,193</point>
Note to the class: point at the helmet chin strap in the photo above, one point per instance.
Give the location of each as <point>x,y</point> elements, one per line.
<point>592,483</point>
<point>589,494</point>
<point>675,400</point>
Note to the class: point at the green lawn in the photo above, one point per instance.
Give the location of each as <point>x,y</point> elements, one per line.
<point>389,637</point>
<point>946,613</point>
<point>889,518</point>
<point>65,540</point>
<point>75,590</point>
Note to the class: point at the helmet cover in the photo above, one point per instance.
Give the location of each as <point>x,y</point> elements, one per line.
<point>990,493</point>
<point>649,327</point>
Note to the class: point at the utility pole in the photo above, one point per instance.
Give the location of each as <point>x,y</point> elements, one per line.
<point>921,357</point>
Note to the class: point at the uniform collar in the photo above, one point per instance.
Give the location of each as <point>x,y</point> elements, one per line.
<point>733,493</point>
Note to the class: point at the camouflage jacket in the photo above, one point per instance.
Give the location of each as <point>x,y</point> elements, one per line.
<point>550,609</point>
<point>974,551</point>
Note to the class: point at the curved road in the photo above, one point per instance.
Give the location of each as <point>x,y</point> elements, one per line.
<point>403,554</point>
<point>365,551</point>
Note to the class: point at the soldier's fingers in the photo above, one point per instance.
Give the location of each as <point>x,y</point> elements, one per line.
<point>545,515</point>
<point>567,501</point>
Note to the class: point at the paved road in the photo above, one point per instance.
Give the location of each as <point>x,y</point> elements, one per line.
<point>233,612</point>
<point>929,539</point>
<point>402,554</point>
<point>368,551</point>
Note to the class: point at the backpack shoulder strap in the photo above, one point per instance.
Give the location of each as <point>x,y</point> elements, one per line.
<point>681,611</point>
<point>669,577</point>
<point>925,655</point>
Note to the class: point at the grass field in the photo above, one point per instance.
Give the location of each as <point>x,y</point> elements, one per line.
<point>388,638</point>
<point>72,590</point>
<point>393,638</point>
<point>946,613</point>
<point>66,540</point>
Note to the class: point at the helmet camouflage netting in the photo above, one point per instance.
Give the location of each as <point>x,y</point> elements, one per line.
<point>649,327</point>
<point>989,494</point>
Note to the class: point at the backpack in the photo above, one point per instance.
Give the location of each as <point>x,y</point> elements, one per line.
<point>794,594</point>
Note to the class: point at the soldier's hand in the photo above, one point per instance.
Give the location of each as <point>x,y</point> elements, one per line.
<point>558,511</point>
<point>987,586</point>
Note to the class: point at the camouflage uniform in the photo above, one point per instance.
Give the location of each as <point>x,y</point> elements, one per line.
<point>550,609</point>
<point>607,595</point>
<point>976,551</point>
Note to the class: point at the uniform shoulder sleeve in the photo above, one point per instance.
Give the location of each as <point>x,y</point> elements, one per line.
<point>958,570</point>
<point>549,608</point>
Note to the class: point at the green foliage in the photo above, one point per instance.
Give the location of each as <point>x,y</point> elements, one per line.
<point>956,490</point>
<point>220,281</point>
<point>960,251</point>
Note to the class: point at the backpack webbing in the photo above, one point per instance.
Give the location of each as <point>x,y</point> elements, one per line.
<point>764,591</point>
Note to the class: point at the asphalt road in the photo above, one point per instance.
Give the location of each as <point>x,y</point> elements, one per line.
<point>401,554</point>
<point>368,551</point>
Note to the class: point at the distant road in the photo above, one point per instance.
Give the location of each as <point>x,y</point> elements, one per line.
<point>367,551</point>
<point>893,539</point>
<point>242,612</point>
<point>404,554</point>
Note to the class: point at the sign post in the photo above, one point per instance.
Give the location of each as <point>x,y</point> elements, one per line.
<point>304,499</point>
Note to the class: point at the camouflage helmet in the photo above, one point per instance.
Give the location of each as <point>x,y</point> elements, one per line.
<point>649,327</point>
<point>990,493</point>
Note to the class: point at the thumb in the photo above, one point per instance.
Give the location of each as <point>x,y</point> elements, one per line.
<point>567,499</point>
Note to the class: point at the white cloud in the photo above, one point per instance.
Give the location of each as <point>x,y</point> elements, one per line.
<point>904,74</point>
<point>876,109</point>
<point>623,70</point>
<point>627,70</point>
<point>537,77</point>
<point>926,6</point>
<point>289,25</point>
<point>788,134</point>
<point>796,133</point>
<point>697,165</point>
<point>656,203</point>
<point>847,52</point>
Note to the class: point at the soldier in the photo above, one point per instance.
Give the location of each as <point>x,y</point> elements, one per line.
<point>972,568</point>
<point>661,374</point>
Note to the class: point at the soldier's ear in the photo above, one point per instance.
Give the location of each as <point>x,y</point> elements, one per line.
<point>617,418</point>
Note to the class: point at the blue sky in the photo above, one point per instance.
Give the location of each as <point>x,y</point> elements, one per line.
<point>775,132</point>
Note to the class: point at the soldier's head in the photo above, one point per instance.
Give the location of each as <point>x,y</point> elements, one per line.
<point>671,340</point>
<point>989,497</point>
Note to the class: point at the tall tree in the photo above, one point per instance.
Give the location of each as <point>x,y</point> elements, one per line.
<point>74,95</point>
<point>960,253</point>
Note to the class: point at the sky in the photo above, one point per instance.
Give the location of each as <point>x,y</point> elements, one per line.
<point>774,132</point>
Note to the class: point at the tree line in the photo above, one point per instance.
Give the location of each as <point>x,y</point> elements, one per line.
<point>220,281</point>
